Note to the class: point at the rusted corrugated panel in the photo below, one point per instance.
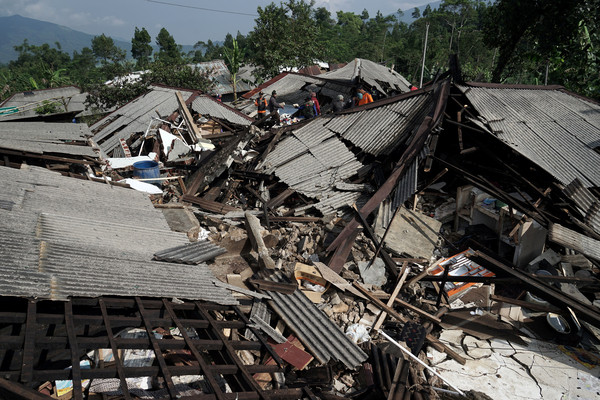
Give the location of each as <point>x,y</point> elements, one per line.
<point>193,253</point>
<point>554,129</point>
<point>206,105</point>
<point>587,204</point>
<point>316,331</point>
<point>574,240</point>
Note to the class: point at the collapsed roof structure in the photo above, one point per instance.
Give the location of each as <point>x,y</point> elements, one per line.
<point>374,76</point>
<point>64,103</point>
<point>460,219</point>
<point>222,80</point>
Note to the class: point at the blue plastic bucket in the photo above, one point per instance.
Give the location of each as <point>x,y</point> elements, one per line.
<point>147,170</point>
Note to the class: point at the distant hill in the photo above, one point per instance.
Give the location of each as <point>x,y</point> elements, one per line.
<point>15,29</point>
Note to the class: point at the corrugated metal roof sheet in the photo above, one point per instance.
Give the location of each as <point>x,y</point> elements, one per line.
<point>193,253</point>
<point>206,105</point>
<point>384,79</point>
<point>221,77</point>
<point>68,237</point>
<point>311,161</point>
<point>552,128</point>
<point>67,99</point>
<point>47,138</point>
<point>135,116</point>
<point>316,331</point>
<point>380,130</point>
<point>574,240</point>
<point>587,204</point>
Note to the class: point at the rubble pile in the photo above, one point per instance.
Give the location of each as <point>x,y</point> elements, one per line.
<point>411,248</point>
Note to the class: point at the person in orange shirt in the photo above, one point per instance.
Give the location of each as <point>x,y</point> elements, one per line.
<point>366,97</point>
<point>262,105</point>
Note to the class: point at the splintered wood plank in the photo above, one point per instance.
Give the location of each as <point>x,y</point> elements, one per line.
<point>115,350</point>
<point>157,351</point>
<point>232,354</point>
<point>71,334</point>
<point>29,344</point>
<point>204,367</point>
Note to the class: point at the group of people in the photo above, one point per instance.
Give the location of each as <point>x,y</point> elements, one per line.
<point>311,106</point>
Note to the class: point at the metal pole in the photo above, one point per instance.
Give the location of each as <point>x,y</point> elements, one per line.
<point>424,53</point>
<point>547,66</point>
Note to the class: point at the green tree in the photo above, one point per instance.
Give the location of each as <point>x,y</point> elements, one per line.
<point>285,36</point>
<point>106,51</point>
<point>169,52</point>
<point>234,57</point>
<point>141,50</point>
<point>82,68</point>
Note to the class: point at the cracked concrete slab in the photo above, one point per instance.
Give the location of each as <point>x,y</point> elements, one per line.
<point>476,348</point>
<point>535,370</point>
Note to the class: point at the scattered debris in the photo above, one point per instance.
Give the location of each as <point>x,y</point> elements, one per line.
<point>413,247</point>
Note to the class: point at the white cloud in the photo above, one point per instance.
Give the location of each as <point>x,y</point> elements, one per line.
<point>110,20</point>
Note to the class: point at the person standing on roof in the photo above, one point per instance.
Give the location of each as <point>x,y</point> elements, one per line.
<point>313,97</point>
<point>338,103</point>
<point>306,110</point>
<point>261,103</point>
<point>274,105</point>
<point>366,97</point>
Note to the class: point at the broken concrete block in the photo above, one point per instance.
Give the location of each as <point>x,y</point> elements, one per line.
<point>476,348</point>
<point>435,357</point>
<point>411,232</point>
<point>341,307</point>
<point>375,274</point>
<point>334,299</point>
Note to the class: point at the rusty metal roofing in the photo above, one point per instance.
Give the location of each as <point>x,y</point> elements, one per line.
<point>206,105</point>
<point>574,240</point>
<point>316,331</point>
<point>553,128</point>
<point>221,77</point>
<point>66,99</point>
<point>192,253</point>
<point>65,139</point>
<point>136,115</point>
<point>585,201</point>
<point>381,129</point>
<point>68,237</point>
<point>383,79</point>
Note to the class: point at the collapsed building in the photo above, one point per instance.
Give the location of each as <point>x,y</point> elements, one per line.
<point>432,244</point>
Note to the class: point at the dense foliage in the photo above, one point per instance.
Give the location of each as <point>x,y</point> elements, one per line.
<point>509,41</point>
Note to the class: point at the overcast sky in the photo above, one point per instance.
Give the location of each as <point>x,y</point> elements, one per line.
<point>118,18</point>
